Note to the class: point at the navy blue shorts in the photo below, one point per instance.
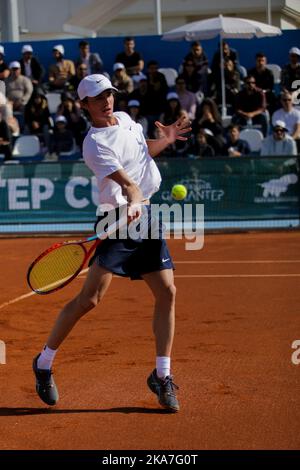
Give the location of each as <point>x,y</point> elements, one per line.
<point>133,258</point>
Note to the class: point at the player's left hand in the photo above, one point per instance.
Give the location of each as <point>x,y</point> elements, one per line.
<point>176,130</point>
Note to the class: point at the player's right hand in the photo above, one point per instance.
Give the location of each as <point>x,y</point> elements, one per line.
<point>134,211</point>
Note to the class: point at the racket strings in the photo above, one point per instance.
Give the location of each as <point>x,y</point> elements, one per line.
<point>56,267</point>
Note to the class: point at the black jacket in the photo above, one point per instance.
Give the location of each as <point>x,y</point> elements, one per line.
<point>36,68</point>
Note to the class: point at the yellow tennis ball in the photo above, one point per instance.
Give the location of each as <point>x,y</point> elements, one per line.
<point>179,192</point>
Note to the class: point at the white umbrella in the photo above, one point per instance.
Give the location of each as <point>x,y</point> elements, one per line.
<point>225,27</point>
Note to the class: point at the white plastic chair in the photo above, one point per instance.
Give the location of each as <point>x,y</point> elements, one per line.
<point>276,70</point>
<point>254,137</point>
<point>54,100</point>
<point>170,75</point>
<point>26,146</point>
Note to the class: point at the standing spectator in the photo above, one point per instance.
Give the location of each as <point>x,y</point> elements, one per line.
<point>62,139</point>
<point>290,116</point>
<point>4,70</point>
<point>291,72</point>
<point>134,113</point>
<point>235,147</point>
<point>279,143</point>
<point>30,66</point>
<point>81,72</point>
<point>208,117</point>
<point>91,60</point>
<point>250,106</point>
<point>187,99</point>
<point>18,88</point>
<point>190,76</point>
<point>132,59</point>
<point>199,58</point>
<point>121,79</point>
<point>264,80</point>
<point>5,139</point>
<point>60,72</point>
<point>37,116</point>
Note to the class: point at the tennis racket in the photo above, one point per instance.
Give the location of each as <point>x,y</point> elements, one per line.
<point>62,262</point>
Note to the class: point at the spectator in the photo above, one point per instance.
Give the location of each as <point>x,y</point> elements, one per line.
<point>187,99</point>
<point>60,72</point>
<point>232,84</point>
<point>121,79</point>
<point>291,72</point>
<point>30,66</point>
<point>290,116</point>
<point>62,138</point>
<point>279,143</point>
<point>264,79</point>
<point>81,72</point>
<point>228,53</point>
<point>134,113</point>
<point>37,117</point>
<point>250,106</point>
<point>235,147</point>
<point>75,119</point>
<point>199,58</point>
<point>201,147</point>
<point>18,88</point>
<point>157,84</point>
<point>190,76</point>
<point>6,109</point>
<point>132,59</point>
<point>5,139</point>
<point>91,60</point>
<point>4,70</point>
<point>208,117</point>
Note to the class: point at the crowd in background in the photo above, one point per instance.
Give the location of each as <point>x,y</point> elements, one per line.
<point>253,100</point>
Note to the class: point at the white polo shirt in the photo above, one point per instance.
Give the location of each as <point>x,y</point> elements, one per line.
<point>290,118</point>
<point>123,146</point>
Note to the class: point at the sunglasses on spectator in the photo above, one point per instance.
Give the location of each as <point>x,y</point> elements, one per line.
<point>279,130</point>
<point>82,68</point>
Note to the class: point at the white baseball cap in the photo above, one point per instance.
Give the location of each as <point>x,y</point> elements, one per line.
<point>2,50</point>
<point>60,48</point>
<point>27,48</point>
<point>61,119</point>
<point>15,65</point>
<point>172,96</point>
<point>294,50</point>
<point>118,66</point>
<point>134,104</point>
<point>93,85</point>
<point>280,124</point>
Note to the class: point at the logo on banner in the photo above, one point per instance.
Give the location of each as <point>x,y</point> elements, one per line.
<point>274,188</point>
<point>198,190</point>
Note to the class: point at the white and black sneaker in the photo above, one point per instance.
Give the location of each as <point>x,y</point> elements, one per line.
<point>45,385</point>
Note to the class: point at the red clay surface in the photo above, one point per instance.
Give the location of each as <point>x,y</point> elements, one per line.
<point>232,354</point>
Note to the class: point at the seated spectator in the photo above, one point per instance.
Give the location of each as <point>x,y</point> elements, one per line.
<point>187,99</point>
<point>121,79</point>
<point>290,116</point>
<point>132,59</point>
<point>4,70</point>
<point>250,105</point>
<point>200,147</point>
<point>199,58</point>
<point>6,109</point>
<point>134,113</point>
<point>190,76</point>
<point>228,53</point>
<point>232,84</point>
<point>37,117</point>
<point>208,117</point>
<point>235,147</point>
<point>81,72</point>
<point>264,80</point>
<point>91,60</point>
<point>5,139</point>
<point>18,88</point>
<point>157,84</point>
<point>30,66</point>
<point>279,143</point>
<point>291,72</point>
<point>62,138</point>
<point>76,121</point>
<point>173,111</point>
<point>60,72</point>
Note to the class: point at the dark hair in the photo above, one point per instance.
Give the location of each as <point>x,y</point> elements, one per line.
<point>180,77</point>
<point>248,77</point>
<point>152,62</point>
<point>83,43</point>
<point>195,43</point>
<point>213,107</point>
<point>259,55</point>
<point>128,38</point>
<point>233,126</point>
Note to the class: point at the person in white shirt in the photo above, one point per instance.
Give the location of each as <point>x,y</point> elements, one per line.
<point>290,116</point>
<point>121,159</point>
<point>279,143</point>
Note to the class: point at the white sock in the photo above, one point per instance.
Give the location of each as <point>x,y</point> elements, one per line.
<point>46,358</point>
<point>163,366</point>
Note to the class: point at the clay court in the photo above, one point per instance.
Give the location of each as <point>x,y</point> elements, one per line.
<point>237,317</point>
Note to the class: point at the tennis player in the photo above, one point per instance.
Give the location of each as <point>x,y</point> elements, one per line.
<point>116,151</point>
